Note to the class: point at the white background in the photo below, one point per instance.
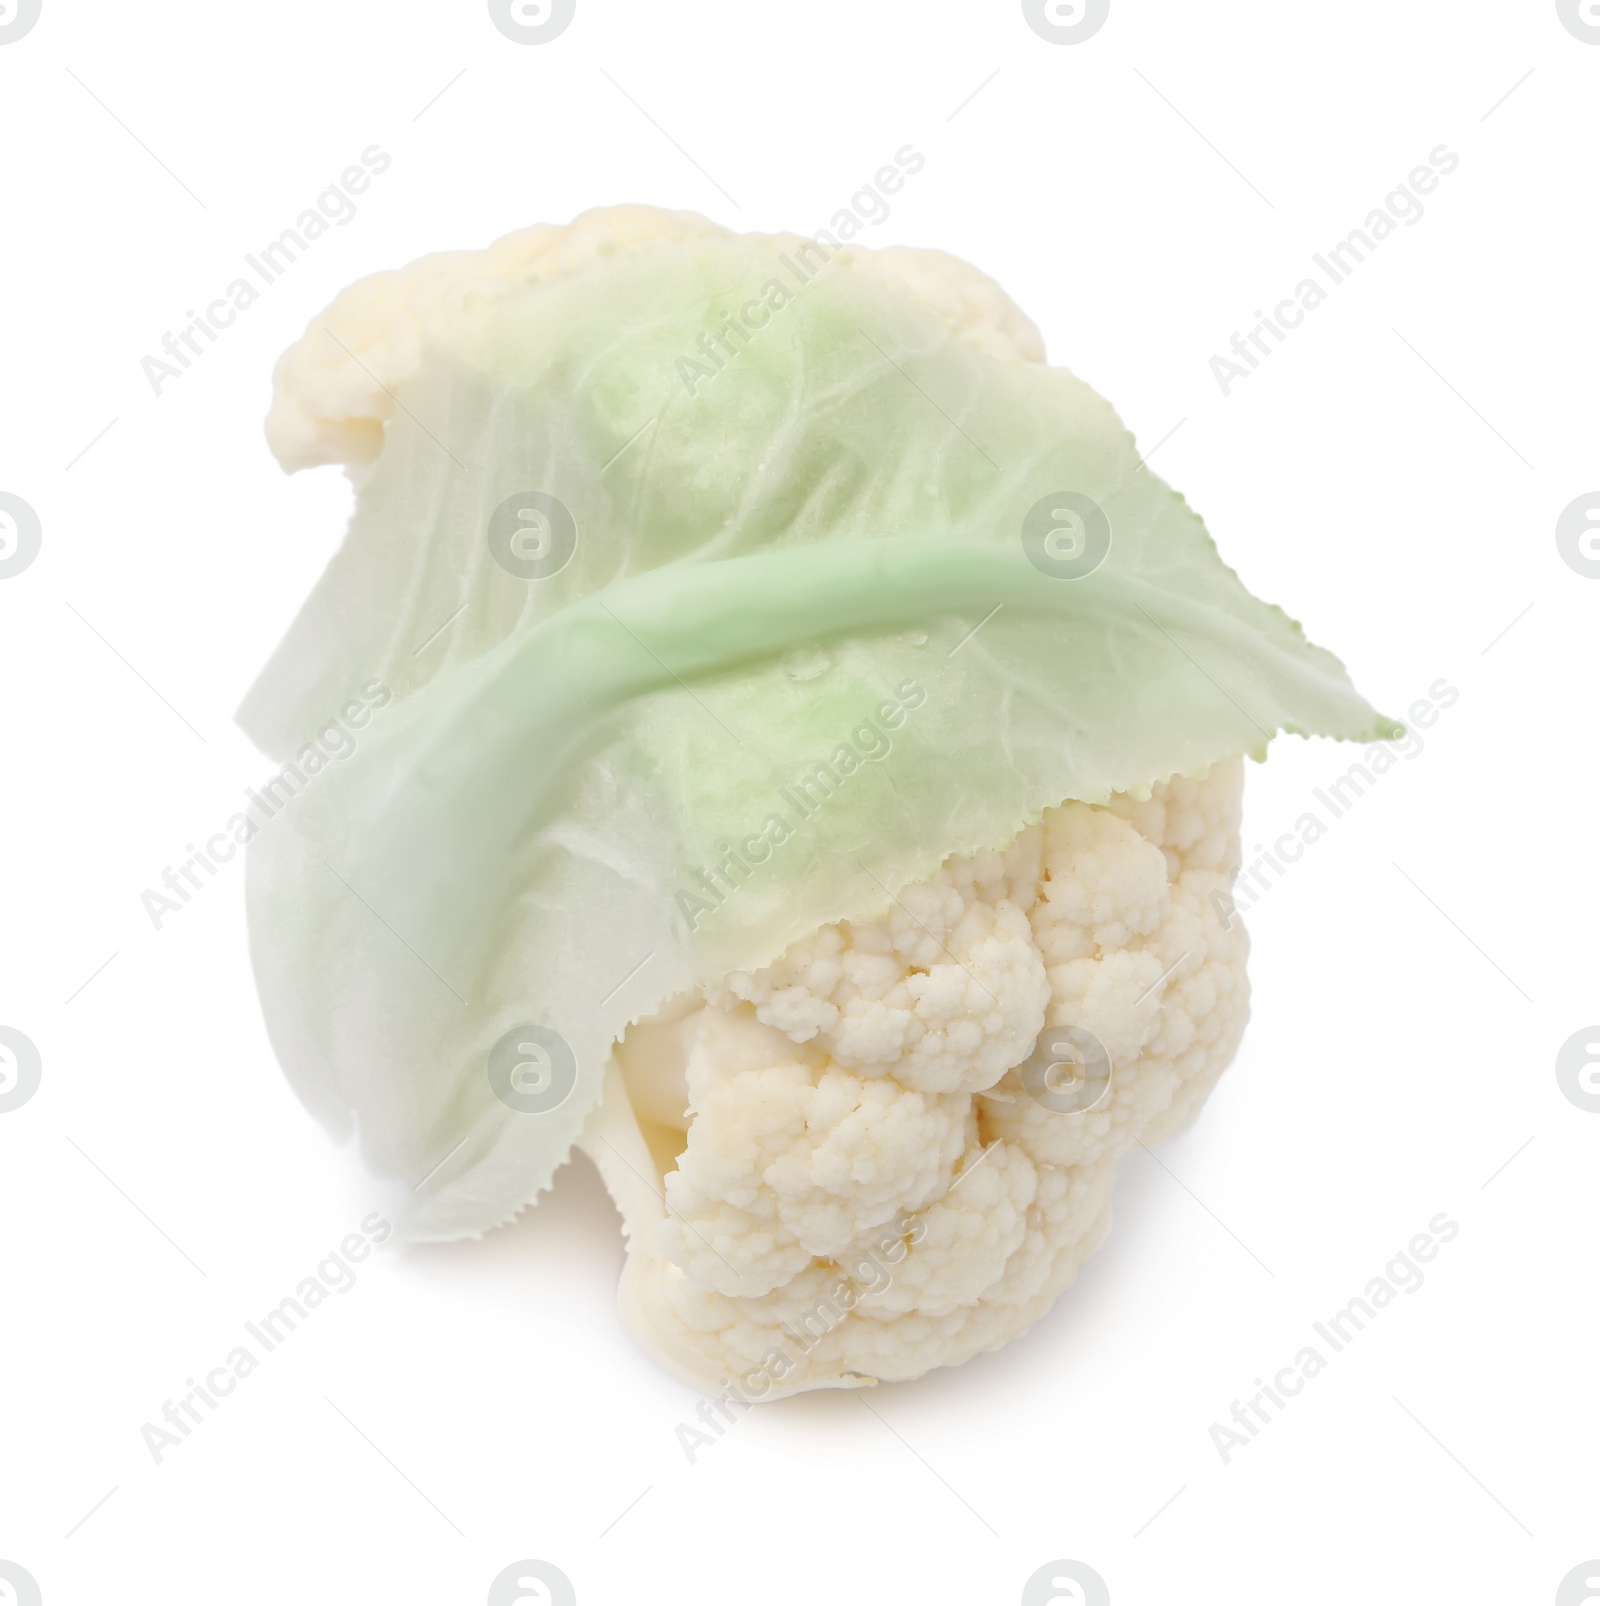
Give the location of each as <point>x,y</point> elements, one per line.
<point>1392,475</point>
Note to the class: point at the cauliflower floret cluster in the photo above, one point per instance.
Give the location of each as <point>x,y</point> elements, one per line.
<point>867,1183</point>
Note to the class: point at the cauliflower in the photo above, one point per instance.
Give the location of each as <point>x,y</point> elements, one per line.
<point>809,779</point>
<point>857,1183</point>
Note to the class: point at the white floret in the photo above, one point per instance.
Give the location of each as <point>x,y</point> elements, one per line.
<point>945,993</point>
<point>863,1186</point>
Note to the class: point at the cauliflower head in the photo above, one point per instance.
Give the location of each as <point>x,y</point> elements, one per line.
<point>855,1164</point>
<point>861,1097</point>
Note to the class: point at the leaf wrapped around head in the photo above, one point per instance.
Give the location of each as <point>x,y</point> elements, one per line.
<point>765,604</point>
